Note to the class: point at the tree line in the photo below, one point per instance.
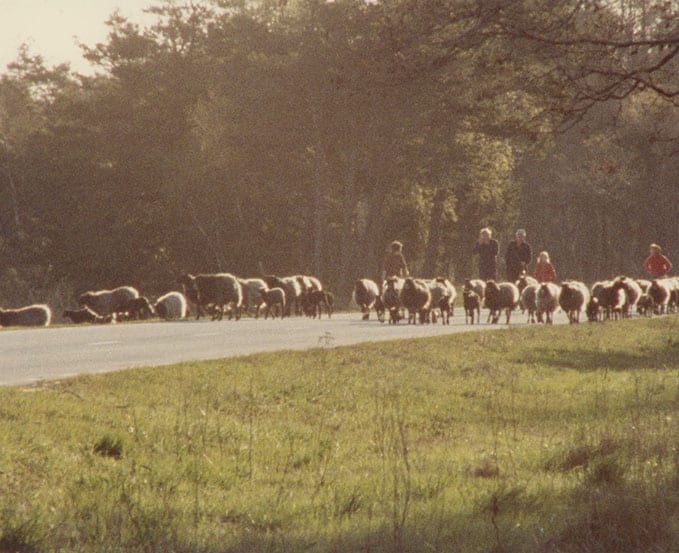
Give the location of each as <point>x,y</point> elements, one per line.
<point>302,136</point>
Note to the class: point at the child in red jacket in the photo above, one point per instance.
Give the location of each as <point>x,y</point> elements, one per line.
<point>544,270</point>
<point>656,264</point>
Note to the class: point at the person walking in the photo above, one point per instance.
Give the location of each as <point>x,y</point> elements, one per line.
<point>656,264</point>
<point>544,270</point>
<point>394,263</point>
<point>487,249</point>
<point>518,256</point>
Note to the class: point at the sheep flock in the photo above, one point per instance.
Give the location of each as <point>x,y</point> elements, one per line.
<point>412,300</point>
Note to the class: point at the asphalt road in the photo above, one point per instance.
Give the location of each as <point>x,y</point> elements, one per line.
<point>31,355</point>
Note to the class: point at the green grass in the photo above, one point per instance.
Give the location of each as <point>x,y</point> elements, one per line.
<point>528,439</point>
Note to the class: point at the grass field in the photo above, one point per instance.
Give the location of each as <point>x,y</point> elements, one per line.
<point>528,439</point>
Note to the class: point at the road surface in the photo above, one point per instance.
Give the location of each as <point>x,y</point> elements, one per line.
<point>31,355</point>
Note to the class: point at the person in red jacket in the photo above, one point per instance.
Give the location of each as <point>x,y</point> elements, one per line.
<point>544,270</point>
<point>656,264</point>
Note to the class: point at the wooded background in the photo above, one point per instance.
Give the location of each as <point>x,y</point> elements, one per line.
<point>303,136</point>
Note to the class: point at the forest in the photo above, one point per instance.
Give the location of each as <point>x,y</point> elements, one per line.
<point>303,136</point>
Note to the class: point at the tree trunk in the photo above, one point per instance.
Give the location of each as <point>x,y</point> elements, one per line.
<point>347,247</point>
<point>431,254</point>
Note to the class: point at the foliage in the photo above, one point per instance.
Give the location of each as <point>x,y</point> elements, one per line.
<point>304,136</point>
<point>550,439</point>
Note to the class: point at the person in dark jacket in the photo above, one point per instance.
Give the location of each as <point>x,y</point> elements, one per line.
<point>518,256</point>
<point>487,248</point>
<point>394,263</point>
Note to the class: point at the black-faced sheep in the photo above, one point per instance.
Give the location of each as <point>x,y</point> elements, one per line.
<point>137,308</point>
<point>525,280</point>
<point>499,297</point>
<point>573,298</point>
<point>313,301</point>
<point>274,300</point>
<point>645,306</point>
<point>416,298</point>
<point>476,284</point>
<point>221,290</point>
<point>547,302</point>
<point>365,295</point>
<point>108,302</point>
<point>391,298</point>
<point>593,310</point>
<point>472,305</point>
<point>527,301</point>
<point>172,305</point>
<point>31,315</point>
<point>86,315</point>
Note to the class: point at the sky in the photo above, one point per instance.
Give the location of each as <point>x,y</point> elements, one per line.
<point>53,28</point>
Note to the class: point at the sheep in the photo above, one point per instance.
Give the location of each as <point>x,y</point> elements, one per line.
<point>673,303</point>
<point>593,310</point>
<point>445,307</point>
<point>439,292</point>
<point>138,308</point>
<point>220,289</point>
<point>416,298</point>
<point>32,315</point>
<point>273,298</point>
<point>391,298</point>
<point>643,284</point>
<point>309,283</point>
<point>547,301</point>
<point>573,297</point>
<point>645,305</point>
<point>478,285</point>
<point>452,294</point>
<point>293,295</point>
<point>108,302</point>
<point>522,283</point>
<point>313,301</point>
<point>472,304</point>
<point>527,301</point>
<point>611,300</point>
<point>86,315</point>
<point>365,295</point>
<point>291,287</point>
<point>525,280</point>
<point>499,297</point>
<point>380,309</point>
<point>172,305</point>
<point>660,292</point>
<point>632,293</point>
<point>251,288</point>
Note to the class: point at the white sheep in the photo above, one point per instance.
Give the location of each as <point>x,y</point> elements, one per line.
<point>364,295</point>
<point>32,315</point>
<point>547,301</point>
<point>108,302</point>
<point>172,305</point>
<point>252,297</point>
<point>573,298</point>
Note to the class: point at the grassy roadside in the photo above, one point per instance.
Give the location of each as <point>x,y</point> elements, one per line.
<point>527,439</point>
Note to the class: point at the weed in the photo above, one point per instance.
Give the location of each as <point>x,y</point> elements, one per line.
<point>109,446</point>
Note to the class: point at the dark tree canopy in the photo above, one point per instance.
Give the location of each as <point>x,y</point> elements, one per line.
<point>304,136</point>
